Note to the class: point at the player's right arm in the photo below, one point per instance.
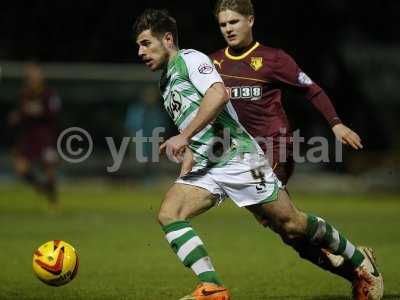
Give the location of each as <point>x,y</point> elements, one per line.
<point>212,104</point>
<point>208,82</point>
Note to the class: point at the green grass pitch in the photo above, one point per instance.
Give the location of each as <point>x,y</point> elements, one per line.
<point>123,254</point>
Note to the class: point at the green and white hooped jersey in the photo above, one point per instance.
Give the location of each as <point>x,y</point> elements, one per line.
<point>182,87</point>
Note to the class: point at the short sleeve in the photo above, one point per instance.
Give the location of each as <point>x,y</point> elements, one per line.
<point>201,70</point>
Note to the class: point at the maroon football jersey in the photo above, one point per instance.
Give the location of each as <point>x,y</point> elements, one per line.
<point>39,109</point>
<point>255,80</point>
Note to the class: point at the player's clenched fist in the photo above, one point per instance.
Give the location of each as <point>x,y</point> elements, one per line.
<point>175,146</point>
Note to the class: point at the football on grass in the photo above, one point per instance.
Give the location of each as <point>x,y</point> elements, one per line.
<point>55,263</point>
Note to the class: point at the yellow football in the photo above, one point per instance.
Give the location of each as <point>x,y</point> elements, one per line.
<point>55,263</point>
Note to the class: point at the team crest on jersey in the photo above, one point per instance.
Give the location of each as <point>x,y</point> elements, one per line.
<point>205,69</point>
<point>174,105</point>
<point>256,63</point>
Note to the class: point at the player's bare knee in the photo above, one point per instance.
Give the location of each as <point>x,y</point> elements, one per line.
<point>183,202</point>
<point>172,211</point>
<point>164,219</point>
<point>166,216</point>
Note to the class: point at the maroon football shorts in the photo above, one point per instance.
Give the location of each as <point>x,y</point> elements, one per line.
<point>282,162</point>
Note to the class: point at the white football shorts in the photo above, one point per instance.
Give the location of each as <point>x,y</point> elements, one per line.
<point>247,179</point>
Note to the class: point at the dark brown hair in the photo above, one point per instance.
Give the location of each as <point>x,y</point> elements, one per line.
<point>243,7</point>
<point>159,21</point>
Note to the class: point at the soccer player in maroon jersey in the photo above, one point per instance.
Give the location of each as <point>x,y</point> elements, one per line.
<point>35,122</point>
<point>255,75</point>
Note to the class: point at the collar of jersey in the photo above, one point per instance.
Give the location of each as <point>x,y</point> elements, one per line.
<point>238,57</point>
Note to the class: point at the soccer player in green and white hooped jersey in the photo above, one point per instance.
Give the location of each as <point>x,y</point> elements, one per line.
<point>182,85</point>
<point>197,101</point>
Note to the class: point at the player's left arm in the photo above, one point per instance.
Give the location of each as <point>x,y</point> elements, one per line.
<point>287,71</point>
<point>209,83</point>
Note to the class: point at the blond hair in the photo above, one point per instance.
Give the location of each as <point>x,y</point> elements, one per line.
<point>243,7</point>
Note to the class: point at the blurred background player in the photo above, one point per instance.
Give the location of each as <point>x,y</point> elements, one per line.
<point>143,116</point>
<point>35,125</point>
<point>255,75</point>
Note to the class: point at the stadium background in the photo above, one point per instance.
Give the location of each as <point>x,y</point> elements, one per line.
<point>88,54</point>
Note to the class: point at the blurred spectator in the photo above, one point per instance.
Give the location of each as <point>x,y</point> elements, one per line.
<point>143,117</point>
<point>34,124</point>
